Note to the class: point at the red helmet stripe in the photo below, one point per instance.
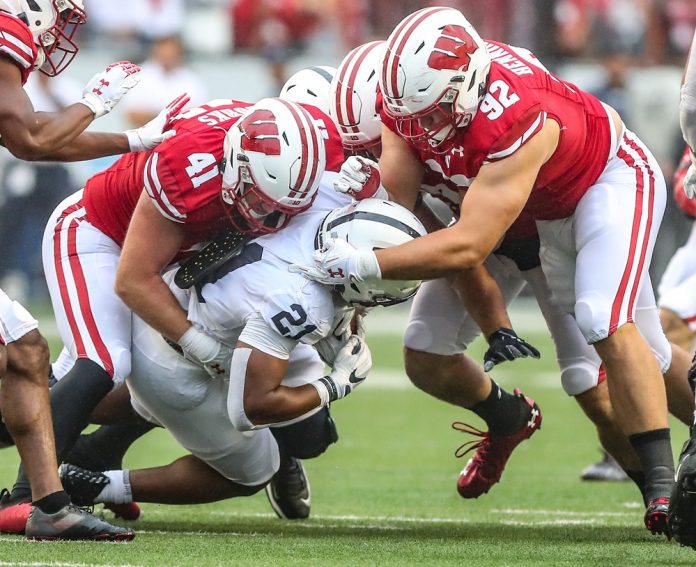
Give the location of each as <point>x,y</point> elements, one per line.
<point>344,92</point>
<point>402,34</point>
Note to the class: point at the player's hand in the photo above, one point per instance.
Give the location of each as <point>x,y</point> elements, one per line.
<point>329,347</point>
<point>208,352</point>
<point>105,89</point>
<point>159,128</point>
<point>338,263</point>
<point>351,366</point>
<point>504,345</point>
<point>360,178</point>
<point>690,180</point>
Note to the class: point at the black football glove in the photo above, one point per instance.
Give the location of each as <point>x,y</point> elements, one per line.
<point>504,345</point>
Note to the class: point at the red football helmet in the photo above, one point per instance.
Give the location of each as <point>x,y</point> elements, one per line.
<point>274,157</point>
<point>53,23</point>
<point>434,74</point>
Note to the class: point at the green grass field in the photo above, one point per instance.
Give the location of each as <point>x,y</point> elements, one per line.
<point>385,494</point>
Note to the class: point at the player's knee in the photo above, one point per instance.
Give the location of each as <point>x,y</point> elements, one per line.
<point>579,377</point>
<point>122,367</point>
<point>418,366</point>
<point>592,314</point>
<point>29,356</point>
<point>308,438</point>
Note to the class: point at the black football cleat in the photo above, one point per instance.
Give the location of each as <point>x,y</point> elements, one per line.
<point>73,523</point>
<point>82,485</point>
<point>682,507</point>
<point>289,492</point>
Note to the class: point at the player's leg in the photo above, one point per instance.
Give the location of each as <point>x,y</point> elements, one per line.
<point>80,263</point>
<point>677,301</point>
<point>615,227</point>
<point>175,393</point>
<point>439,330</point>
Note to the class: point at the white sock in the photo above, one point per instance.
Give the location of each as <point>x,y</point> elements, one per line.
<point>118,491</point>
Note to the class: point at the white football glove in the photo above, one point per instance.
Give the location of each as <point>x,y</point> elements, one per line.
<point>350,368</point>
<point>210,353</point>
<point>329,347</point>
<point>105,89</point>
<point>340,262</point>
<point>158,129</point>
<point>690,180</point>
<point>360,178</point>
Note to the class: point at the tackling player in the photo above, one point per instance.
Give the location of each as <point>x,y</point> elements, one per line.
<point>527,144</point>
<point>441,326</point>
<point>39,34</point>
<point>275,377</point>
<point>270,174</point>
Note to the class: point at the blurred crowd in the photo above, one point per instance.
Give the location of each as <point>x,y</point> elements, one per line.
<point>618,35</point>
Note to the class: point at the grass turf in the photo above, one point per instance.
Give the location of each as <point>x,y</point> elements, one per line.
<point>385,495</point>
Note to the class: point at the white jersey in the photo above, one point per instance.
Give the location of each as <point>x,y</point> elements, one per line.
<point>256,284</point>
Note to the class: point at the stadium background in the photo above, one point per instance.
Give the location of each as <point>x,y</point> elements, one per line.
<point>385,494</point>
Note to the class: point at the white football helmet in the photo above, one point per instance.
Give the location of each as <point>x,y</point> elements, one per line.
<point>368,225</point>
<point>310,86</point>
<point>274,156</point>
<point>434,74</point>
<point>354,96</point>
<point>53,23</point>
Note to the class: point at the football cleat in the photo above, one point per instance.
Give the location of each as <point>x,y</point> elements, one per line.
<point>607,469</point>
<point>656,519</point>
<point>130,511</point>
<point>13,514</point>
<point>82,485</point>
<point>73,523</point>
<point>486,467</point>
<point>682,506</point>
<point>289,492</point>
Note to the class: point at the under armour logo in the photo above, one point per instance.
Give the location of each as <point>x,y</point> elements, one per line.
<point>98,90</point>
<point>336,273</point>
<point>217,368</point>
<point>458,150</point>
<point>533,417</point>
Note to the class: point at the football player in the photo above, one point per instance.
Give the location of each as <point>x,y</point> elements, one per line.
<point>682,509</point>
<point>269,174</point>
<point>39,35</point>
<point>529,147</point>
<point>433,353</point>
<point>274,375</point>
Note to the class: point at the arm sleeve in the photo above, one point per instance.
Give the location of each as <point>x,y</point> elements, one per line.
<point>687,105</point>
<point>258,334</point>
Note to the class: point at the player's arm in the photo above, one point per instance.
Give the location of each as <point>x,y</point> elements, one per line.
<point>259,364</point>
<point>492,203</point>
<point>151,243</point>
<point>401,170</point>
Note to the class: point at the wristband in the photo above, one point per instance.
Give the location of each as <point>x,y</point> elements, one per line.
<point>199,345</point>
<point>322,388</point>
<point>135,143</point>
<point>94,104</point>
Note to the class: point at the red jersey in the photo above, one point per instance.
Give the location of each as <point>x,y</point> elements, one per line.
<point>688,206</point>
<point>181,176</point>
<point>521,96</point>
<point>17,43</point>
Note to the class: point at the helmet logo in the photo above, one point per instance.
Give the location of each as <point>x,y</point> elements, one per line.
<point>260,133</point>
<point>453,49</point>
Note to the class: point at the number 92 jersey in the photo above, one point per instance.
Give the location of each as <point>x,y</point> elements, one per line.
<point>521,95</point>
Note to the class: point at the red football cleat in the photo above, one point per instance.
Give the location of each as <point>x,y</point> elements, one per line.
<point>13,516</point>
<point>486,467</point>
<point>656,517</point>
<point>130,511</point>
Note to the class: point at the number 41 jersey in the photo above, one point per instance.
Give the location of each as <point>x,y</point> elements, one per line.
<point>521,96</point>
<point>181,176</point>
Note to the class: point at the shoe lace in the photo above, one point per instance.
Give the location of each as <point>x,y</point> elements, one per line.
<point>481,445</point>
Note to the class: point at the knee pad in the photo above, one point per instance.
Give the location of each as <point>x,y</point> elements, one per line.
<point>579,377</point>
<point>308,438</point>
<point>592,314</point>
<point>122,366</point>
